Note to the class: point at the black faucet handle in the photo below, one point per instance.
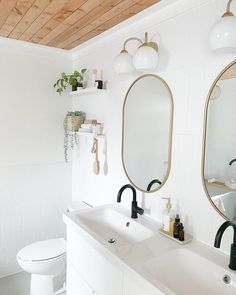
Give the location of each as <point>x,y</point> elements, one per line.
<point>139,210</point>
<point>136,210</point>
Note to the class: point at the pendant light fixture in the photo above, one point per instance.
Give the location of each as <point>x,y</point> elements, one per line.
<point>145,58</point>
<point>223,32</point>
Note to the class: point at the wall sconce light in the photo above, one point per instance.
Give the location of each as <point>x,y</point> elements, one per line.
<point>223,32</point>
<point>145,58</point>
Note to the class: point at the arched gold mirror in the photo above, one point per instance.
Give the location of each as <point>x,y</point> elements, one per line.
<point>147,132</point>
<point>219,146</point>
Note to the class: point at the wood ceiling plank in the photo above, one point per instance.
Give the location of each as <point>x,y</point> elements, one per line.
<point>31,15</point>
<point>110,19</point>
<point>6,7</point>
<point>61,40</point>
<point>64,23</point>
<point>15,16</point>
<point>43,18</point>
<point>62,27</point>
<point>71,20</point>
<point>125,4</point>
<point>57,19</point>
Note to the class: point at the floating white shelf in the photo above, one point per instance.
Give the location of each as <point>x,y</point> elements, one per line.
<point>88,134</point>
<point>87,91</point>
<point>91,134</point>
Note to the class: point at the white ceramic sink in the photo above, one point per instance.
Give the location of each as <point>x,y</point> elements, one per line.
<point>113,226</point>
<point>187,273</point>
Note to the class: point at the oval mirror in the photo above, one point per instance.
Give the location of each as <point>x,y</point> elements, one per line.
<point>147,132</point>
<point>219,148</point>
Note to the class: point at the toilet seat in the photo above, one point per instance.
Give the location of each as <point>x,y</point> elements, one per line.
<point>43,250</point>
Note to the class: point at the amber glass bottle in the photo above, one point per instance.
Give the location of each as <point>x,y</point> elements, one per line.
<point>181,232</point>
<point>176,226</point>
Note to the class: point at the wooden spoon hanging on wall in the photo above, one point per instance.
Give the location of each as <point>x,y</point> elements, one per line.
<point>96,165</point>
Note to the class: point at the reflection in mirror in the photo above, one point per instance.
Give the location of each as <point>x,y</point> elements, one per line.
<point>147,129</point>
<point>219,163</point>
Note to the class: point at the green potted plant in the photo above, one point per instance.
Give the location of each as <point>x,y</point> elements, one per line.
<point>72,123</point>
<point>75,80</point>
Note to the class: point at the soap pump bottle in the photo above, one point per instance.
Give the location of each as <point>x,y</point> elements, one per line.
<point>166,216</point>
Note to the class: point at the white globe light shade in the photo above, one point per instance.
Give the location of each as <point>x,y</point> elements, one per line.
<point>223,34</point>
<point>123,63</point>
<point>145,59</point>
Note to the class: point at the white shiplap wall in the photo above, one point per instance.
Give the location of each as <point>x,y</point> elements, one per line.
<point>189,67</point>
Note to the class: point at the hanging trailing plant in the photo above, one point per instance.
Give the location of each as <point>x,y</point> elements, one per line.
<point>72,123</point>
<point>75,80</point>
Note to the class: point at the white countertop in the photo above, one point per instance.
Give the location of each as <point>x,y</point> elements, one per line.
<point>133,257</point>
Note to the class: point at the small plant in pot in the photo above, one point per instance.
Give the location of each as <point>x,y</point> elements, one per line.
<point>72,123</point>
<point>75,80</point>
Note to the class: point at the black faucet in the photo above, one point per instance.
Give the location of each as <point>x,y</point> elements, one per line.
<point>152,182</point>
<point>219,234</point>
<point>135,210</point>
<point>232,161</point>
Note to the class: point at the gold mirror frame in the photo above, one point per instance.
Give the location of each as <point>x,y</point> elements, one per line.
<point>205,134</point>
<point>170,131</point>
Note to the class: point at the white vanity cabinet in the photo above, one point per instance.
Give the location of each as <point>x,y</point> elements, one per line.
<point>88,270</point>
<point>134,286</point>
<point>91,273</point>
<point>75,284</point>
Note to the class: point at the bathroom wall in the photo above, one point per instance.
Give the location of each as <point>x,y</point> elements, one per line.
<point>189,67</point>
<point>35,183</point>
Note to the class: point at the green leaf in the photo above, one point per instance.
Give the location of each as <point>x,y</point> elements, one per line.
<point>76,73</point>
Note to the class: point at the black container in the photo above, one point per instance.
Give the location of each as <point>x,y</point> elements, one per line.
<point>99,84</point>
<point>181,232</point>
<point>74,87</point>
<point>176,226</point>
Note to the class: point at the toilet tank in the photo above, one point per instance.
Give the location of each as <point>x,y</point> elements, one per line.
<point>74,206</point>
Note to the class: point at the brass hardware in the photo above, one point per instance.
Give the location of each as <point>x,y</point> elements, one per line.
<point>228,12</point>
<point>152,44</point>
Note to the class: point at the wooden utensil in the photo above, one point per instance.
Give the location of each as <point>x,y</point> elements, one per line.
<point>96,164</point>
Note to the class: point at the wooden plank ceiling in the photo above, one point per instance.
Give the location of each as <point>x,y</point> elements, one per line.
<point>64,23</point>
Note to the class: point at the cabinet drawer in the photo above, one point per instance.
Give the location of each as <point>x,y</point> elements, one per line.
<point>97,271</point>
<point>75,284</point>
<point>137,287</point>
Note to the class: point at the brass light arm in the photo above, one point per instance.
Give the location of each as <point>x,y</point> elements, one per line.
<point>142,43</point>
<point>228,12</point>
<point>130,39</point>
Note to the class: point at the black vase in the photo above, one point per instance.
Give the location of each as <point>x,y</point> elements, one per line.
<point>74,87</point>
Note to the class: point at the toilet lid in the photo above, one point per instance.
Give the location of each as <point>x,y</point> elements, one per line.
<point>43,250</point>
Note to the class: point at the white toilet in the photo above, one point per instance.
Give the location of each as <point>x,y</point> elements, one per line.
<point>46,261</point>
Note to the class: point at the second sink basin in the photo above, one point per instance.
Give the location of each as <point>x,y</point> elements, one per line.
<point>114,227</point>
<point>184,273</point>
